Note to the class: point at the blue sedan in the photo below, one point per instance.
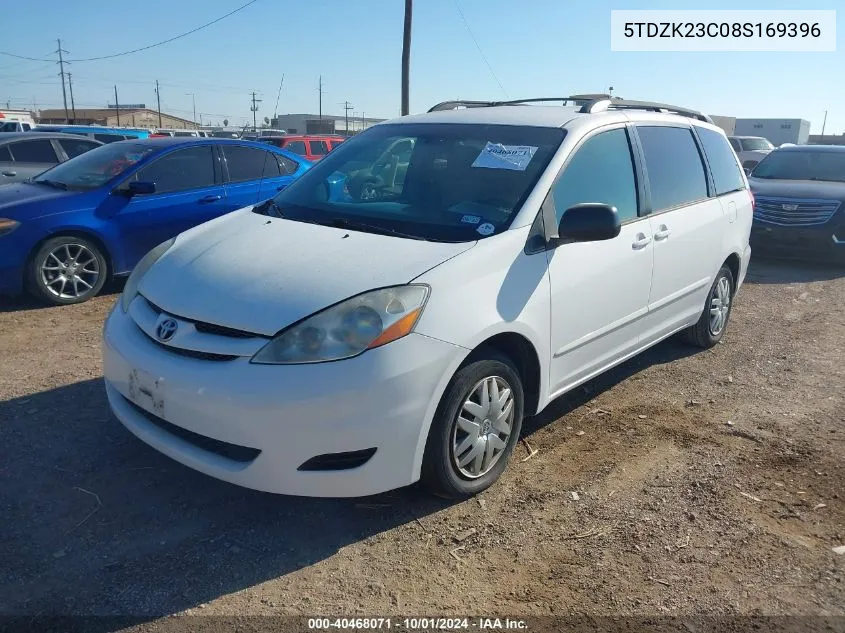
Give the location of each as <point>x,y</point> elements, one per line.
<point>65,232</point>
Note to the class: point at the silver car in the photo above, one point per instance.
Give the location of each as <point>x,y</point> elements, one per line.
<point>26,154</point>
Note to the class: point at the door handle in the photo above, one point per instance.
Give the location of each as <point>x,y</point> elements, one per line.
<point>662,233</point>
<point>641,242</point>
<point>208,199</point>
<point>10,173</point>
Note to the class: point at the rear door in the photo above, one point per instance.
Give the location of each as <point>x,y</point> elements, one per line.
<point>28,158</point>
<point>245,168</point>
<point>687,225</point>
<point>278,173</point>
<point>189,191</point>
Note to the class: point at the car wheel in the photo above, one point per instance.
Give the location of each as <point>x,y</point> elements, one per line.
<point>475,428</point>
<point>67,269</point>
<point>717,310</point>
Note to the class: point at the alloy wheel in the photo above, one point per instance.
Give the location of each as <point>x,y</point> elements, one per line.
<point>70,271</point>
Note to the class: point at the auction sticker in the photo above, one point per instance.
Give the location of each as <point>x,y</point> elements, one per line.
<point>498,156</point>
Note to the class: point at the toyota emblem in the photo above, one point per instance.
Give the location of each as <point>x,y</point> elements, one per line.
<point>166,329</point>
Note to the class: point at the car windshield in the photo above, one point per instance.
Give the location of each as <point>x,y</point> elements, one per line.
<point>756,144</point>
<point>439,182</point>
<point>96,167</point>
<point>802,165</point>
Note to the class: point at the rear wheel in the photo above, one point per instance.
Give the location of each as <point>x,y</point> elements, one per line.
<point>717,310</point>
<point>65,270</point>
<point>475,428</point>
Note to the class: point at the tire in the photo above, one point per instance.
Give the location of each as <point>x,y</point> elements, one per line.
<point>76,259</point>
<point>704,334</point>
<point>441,473</point>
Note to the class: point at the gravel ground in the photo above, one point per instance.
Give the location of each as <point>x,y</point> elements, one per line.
<point>682,482</point>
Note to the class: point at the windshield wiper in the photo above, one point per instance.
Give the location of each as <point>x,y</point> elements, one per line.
<point>269,207</point>
<point>52,183</point>
<point>343,223</point>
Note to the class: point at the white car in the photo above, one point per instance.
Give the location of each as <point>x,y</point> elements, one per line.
<point>324,344</point>
<point>750,149</point>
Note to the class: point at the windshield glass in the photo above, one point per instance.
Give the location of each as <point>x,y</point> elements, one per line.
<point>441,182</point>
<point>96,167</point>
<point>756,144</point>
<point>802,165</point>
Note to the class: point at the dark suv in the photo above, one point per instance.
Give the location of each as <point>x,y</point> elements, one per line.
<point>800,203</point>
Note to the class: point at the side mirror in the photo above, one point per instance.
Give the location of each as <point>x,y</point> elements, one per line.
<point>589,222</point>
<point>138,188</point>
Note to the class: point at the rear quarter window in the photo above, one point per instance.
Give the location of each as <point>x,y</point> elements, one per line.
<point>722,161</point>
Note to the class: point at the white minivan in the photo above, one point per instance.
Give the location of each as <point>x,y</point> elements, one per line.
<point>394,314</point>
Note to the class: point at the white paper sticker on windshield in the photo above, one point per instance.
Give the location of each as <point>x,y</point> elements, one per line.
<point>471,219</point>
<point>486,229</point>
<point>498,156</point>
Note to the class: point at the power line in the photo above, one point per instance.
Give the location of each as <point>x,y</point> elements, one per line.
<point>142,48</point>
<point>480,52</point>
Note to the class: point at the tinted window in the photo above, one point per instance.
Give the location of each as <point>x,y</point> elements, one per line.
<point>97,167</point>
<point>755,144</point>
<point>4,153</point>
<point>182,170</point>
<point>675,171</point>
<point>272,169</point>
<point>75,147</point>
<point>298,147</point>
<point>318,148</point>
<point>287,165</point>
<point>109,138</point>
<point>723,166</point>
<point>40,151</point>
<point>802,165</point>
<point>735,144</point>
<point>245,163</point>
<point>600,171</point>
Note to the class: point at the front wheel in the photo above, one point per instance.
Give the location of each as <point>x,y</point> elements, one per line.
<point>65,270</point>
<point>475,428</point>
<point>717,310</point>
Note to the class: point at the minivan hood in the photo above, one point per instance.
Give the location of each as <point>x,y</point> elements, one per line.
<point>259,274</point>
<point>23,201</point>
<point>798,188</point>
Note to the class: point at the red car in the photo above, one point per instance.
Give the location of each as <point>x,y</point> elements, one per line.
<point>310,146</point>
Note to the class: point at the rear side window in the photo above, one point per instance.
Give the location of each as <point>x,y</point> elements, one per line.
<point>723,165</point>
<point>182,170</point>
<point>287,165</point>
<point>40,151</point>
<point>297,147</point>
<point>245,163</point>
<point>600,171</point>
<point>75,147</point>
<point>109,138</point>
<point>675,171</point>
<point>318,148</point>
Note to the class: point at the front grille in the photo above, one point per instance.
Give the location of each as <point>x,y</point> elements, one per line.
<point>794,211</point>
<point>190,353</point>
<point>204,326</point>
<point>235,452</point>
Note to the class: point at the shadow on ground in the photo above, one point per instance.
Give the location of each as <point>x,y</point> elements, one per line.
<point>28,302</point>
<point>775,271</point>
<point>97,523</point>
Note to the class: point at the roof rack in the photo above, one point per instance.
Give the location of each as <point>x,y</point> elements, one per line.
<point>573,99</point>
<point>602,105</point>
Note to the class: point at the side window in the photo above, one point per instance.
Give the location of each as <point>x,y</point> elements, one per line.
<point>723,165</point>
<point>109,138</point>
<point>245,163</point>
<point>40,151</point>
<point>675,171</point>
<point>272,169</point>
<point>601,170</point>
<point>75,147</point>
<point>182,170</point>
<point>318,148</point>
<point>287,165</point>
<point>735,144</point>
<point>297,147</point>
<point>4,154</point>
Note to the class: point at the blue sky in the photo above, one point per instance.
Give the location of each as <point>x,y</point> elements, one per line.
<point>534,47</point>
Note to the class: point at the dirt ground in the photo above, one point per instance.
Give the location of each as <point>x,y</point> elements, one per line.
<point>683,482</point>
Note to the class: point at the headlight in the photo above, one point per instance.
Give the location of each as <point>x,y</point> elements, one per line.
<point>7,226</point>
<point>147,261</point>
<point>348,328</point>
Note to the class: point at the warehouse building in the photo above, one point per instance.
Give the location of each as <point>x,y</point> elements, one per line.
<point>727,123</point>
<point>122,117</point>
<point>827,139</point>
<point>327,124</point>
<point>777,131</point>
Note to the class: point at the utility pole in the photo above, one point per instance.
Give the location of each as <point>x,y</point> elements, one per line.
<point>72,105</point>
<point>347,107</point>
<point>824,123</point>
<point>62,74</point>
<point>278,96</point>
<point>116,106</point>
<point>406,56</point>
<point>194,102</point>
<point>320,90</point>
<point>254,109</point>
<point>363,123</point>
<point>158,101</point>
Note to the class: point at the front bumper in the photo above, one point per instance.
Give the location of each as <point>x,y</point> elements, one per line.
<point>825,242</point>
<point>381,399</point>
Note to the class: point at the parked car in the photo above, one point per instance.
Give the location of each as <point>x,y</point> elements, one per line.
<point>16,121</point>
<point>750,149</point>
<point>342,348</point>
<point>26,154</point>
<point>312,147</point>
<point>800,210</point>
<point>68,230</point>
<point>102,134</point>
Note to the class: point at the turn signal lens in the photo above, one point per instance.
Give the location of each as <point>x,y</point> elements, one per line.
<point>7,226</point>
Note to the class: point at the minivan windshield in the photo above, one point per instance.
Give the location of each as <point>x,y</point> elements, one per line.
<point>755,144</point>
<point>94,168</point>
<point>432,181</point>
<point>805,164</point>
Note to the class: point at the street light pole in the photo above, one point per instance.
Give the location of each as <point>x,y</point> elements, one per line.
<point>406,56</point>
